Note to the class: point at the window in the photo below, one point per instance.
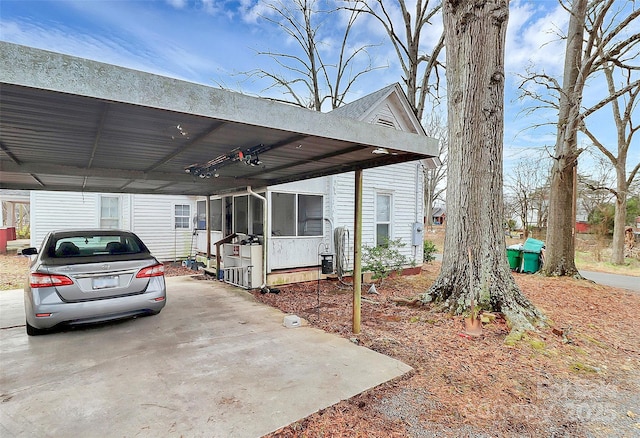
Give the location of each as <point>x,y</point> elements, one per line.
<point>310,215</point>
<point>228,215</point>
<point>296,215</point>
<point>182,214</point>
<point>283,214</point>
<point>109,212</point>
<point>255,206</point>
<point>91,244</point>
<point>201,211</point>
<point>383,219</point>
<point>216,214</point>
<point>241,214</point>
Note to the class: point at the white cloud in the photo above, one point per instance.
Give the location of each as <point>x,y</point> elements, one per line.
<point>534,37</point>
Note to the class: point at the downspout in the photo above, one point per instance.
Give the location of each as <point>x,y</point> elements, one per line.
<point>357,253</point>
<point>419,191</point>
<point>265,239</point>
<point>207,210</point>
<point>329,209</point>
<point>132,225</point>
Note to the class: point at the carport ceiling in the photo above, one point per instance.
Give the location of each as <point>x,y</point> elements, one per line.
<point>72,124</point>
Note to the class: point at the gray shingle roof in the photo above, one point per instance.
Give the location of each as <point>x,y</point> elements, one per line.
<point>359,108</point>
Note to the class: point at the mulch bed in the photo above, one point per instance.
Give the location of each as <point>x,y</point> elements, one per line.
<point>464,386</point>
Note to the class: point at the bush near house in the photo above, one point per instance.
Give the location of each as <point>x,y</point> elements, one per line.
<point>428,251</point>
<point>384,259</point>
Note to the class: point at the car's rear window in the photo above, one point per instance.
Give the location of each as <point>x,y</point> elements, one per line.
<point>91,245</point>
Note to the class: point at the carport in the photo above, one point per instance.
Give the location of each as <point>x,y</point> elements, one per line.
<point>77,125</point>
<point>73,124</point>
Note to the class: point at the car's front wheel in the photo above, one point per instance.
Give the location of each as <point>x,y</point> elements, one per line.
<point>33,331</point>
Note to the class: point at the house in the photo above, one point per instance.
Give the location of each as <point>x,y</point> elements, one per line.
<point>438,216</point>
<point>307,220</point>
<point>583,227</point>
<point>163,222</point>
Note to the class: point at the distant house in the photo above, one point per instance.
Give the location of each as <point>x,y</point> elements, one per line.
<point>582,220</point>
<point>583,227</point>
<point>15,211</point>
<point>14,217</point>
<point>438,216</point>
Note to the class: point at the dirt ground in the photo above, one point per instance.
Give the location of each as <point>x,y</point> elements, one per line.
<point>14,269</point>
<point>578,377</point>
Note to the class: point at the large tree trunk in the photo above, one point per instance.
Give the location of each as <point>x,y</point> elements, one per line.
<point>474,263</point>
<point>620,218</point>
<point>428,200</point>
<point>560,243</point>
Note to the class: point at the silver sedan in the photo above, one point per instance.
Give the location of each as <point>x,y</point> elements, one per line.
<point>90,276</point>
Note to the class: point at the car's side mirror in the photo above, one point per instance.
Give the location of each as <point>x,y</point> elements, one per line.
<point>29,251</point>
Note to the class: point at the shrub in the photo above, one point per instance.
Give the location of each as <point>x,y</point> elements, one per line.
<point>428,251</point>
<point>382,260</point>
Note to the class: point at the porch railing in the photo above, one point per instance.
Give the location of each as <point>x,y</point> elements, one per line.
<point>238,276</point>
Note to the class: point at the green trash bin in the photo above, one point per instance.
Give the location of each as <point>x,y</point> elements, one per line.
<point>515,258</point>
<point>530,261</point>
<point>532,244</point>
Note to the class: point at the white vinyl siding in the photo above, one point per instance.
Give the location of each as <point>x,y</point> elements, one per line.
<point>66,210</point>
<point>402,182</point>
<point>154,224</point>
<point>57,210</point>
<point>149,216</point>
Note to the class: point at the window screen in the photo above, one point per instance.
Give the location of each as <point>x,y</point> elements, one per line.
<point>256,207</point>
<point>310,215</point>
<point>216,214</point>
<point>283,214</point>
<point>201,224</point>
<point>241,214</point>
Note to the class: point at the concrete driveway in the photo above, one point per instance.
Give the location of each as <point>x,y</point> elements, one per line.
<point>214,363</point>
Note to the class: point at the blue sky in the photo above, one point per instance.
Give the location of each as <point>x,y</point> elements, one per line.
<point>212,42</point>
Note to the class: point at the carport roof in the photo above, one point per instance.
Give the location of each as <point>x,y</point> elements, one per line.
<point>68,123</point>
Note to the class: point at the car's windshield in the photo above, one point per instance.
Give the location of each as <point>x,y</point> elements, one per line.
<point>95,244</point>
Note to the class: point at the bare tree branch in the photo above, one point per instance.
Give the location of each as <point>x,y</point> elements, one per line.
<point>313,80</point>
<point>420,70</point>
